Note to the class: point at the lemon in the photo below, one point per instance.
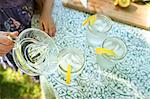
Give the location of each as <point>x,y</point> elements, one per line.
<point>68,74</point>
<point>105,51</point>
<point>116,2</point>
<point>90,19</point>
<point>124,3</point>
<point>148,4</point>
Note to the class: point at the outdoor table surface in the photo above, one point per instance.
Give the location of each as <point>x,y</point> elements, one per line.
<point>129,79</point>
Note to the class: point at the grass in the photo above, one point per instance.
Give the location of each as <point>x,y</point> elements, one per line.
<point>13,85</point>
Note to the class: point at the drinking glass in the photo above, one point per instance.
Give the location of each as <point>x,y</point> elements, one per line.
<point>99,30</point>
<point>73,57</point>
<point>118,46</point>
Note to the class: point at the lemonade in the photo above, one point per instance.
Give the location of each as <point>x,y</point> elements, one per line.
<point>71,56</point>
<point>98,31</point>
<point>116,45</point>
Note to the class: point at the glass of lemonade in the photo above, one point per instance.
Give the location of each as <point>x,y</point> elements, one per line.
<point>118,46</point>
<point>99,30</point>
<point>74,57</point>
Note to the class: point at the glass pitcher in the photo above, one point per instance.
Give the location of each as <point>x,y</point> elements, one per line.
<point>35,52</point>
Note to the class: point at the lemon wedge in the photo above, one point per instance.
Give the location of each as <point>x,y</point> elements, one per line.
<point>91,20</point>
<point>68,75</point>
<point>105,51</point>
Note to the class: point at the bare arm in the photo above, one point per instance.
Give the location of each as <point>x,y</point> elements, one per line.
<point>47,7</point>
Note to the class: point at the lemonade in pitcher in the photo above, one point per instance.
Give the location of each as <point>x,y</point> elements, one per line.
<point>35,53</point>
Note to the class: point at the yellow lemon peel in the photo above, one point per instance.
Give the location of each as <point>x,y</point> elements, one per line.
<point>122,3</point>
<point>90,19</point>
<point>68,74</point>
<point>105,51</point>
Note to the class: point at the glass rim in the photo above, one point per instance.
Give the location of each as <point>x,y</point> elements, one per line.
<point>98,15</point>
<point>32,29</point>
<point>125,46</point>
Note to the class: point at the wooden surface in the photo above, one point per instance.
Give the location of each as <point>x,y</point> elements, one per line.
<point>136,14</point>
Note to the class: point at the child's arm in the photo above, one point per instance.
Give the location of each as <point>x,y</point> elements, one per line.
<point>47,6</point>
<point>46,21</point>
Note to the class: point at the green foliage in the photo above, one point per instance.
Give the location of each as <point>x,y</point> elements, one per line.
<point>13,85</point>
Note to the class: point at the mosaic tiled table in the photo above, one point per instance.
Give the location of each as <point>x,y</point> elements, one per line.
<point>129,79</point>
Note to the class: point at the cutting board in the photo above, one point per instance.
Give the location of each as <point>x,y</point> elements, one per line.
<point>136,14</point>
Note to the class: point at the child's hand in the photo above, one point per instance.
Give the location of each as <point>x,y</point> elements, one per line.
<point>46,21</point>
<point>47,24</point>
<point>6,44</point>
